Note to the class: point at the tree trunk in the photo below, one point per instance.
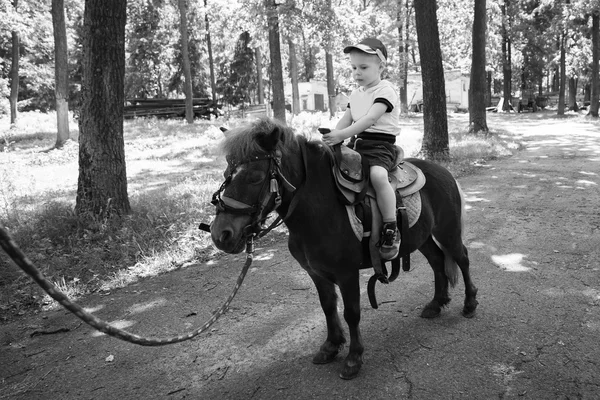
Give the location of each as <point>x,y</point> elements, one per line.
<point>185,56</point>
<point>14,73</point>
<point>563,76</point>
<point>329,42</point>
<point>435,118</point>
<point>61,72</point>
<point>506,58</point>
<point>573,94</point>
<point>330,83</point>
<point>294,78</point>
<point>211,62</point>
<point>259,77</point>
<point>308,59</point>
<point>402,18</point>
<point>477,116</point>
<point>102,183</point>
<point>488,90</point>
<point>595,81</point>
<point>276,69</point>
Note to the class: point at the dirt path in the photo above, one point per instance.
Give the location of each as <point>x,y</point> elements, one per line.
<point>533,234</point>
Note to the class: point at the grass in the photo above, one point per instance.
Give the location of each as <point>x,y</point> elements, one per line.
<point>173,169</point>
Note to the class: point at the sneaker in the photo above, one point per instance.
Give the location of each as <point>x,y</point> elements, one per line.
<point>389,242</point>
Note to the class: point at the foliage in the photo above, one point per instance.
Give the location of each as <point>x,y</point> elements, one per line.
<point>241,81</point>
<point>153,67</point>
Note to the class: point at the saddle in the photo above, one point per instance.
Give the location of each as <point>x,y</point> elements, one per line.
<point>352,176</point>
<point>351,173</point>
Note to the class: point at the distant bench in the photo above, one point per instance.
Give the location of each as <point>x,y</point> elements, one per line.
<point>171,108</point>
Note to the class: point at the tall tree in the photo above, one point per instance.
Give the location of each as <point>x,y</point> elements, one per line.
<point>563,73</point>
<point>102,183</point>
<point>294,77</point>
<point>477,87</point>
<point>259,78</point>
<point>242,81</point>
<point>61,72</point>
<point>330,83</point>
<point>211,62</point>
<point>595,81</point>
<point>506,56</point>
<point>403,18</point>
<point>278,99</point>
<point>435,118</point>
<point>14,72</point>
<point>329,62</point>
<point>185,55</point>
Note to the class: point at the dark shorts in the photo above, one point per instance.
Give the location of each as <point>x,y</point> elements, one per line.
<point>377,152</point>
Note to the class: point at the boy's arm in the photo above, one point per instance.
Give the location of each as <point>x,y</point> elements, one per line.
<point>341,133</point>
<point>346,120</point>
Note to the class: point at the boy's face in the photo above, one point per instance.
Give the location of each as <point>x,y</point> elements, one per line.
<point>366,68</point>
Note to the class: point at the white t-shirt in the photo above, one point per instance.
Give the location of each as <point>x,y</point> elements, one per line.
<point>362,99</point>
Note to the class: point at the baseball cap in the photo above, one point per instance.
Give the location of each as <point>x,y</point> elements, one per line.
<point>369,46</point>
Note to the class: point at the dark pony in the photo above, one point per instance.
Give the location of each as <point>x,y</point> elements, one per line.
<point>270,168</point>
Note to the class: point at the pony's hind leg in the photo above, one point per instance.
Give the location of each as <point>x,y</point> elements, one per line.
<point>335,334</point>
<point>457,254</point>
<point>435,258</point>
<point>470,289</point>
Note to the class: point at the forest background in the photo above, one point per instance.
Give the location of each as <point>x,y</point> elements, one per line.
<point>229,50</point>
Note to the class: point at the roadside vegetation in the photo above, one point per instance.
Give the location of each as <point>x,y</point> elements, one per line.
<point>173,169</point>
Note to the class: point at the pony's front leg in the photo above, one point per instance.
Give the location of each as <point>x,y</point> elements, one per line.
<point>349,287</point>
<point>335,334</point>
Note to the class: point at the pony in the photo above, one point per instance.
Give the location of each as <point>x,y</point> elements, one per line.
<point>271,168</point>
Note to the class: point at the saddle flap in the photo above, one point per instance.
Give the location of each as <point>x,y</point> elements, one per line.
<point>407,179</point>
<point>403,175</point>
<point>350,163</point>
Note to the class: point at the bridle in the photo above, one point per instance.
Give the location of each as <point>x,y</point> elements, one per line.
<point>269,198</point>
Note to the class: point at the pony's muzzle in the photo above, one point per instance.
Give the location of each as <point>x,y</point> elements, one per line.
<point>227,238</point>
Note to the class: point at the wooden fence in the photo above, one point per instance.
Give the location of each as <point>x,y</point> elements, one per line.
<point>171,108</point>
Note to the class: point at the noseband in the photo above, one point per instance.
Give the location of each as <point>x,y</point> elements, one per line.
<point>270,193</point>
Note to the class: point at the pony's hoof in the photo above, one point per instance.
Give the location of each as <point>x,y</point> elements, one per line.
<point>327,352</point>
<point>324,357</point>
<point>469,310</point>
<point>351,367</point>
<point>431,312</point>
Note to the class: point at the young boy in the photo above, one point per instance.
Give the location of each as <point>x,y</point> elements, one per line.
<point>372,114</point>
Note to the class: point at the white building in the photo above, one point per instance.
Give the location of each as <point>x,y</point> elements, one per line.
<point>313,95</point>
<point>457,89</point>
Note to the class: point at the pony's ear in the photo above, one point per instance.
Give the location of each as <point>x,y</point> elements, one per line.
<point>269,140</point>
<point>224,129</point>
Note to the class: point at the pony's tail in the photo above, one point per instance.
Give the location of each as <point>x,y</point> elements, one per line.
<point>463,211</point>
<point>450,266</point>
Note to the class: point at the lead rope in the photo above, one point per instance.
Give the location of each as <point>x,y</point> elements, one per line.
<point>11,248</point>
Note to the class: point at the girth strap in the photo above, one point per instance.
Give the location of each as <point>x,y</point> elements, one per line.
<point>402,223</point>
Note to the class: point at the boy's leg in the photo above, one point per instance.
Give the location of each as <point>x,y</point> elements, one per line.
<point>386,200</point>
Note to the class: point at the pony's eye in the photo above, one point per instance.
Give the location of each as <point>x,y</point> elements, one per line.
<point>255,177</point>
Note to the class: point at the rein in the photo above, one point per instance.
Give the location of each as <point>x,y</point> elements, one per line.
<point>269,193</point>
<point>17,255</point>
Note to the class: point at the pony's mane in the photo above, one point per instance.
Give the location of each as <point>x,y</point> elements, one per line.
<point>240,143</point>
<point>244,141</point>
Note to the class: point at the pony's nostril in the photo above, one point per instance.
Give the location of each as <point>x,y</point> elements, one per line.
<point>225,235</point>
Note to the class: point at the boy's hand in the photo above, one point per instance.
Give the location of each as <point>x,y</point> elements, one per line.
<point>333,137</point>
